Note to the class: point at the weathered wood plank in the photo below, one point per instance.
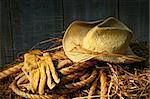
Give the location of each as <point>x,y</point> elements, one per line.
<point>89,10</point>
<point>23,23</point>
<point>15,12</point>
<point>135,14</point>
<point>0,35</point>
<point>36,21</point>
<point>6,33</point>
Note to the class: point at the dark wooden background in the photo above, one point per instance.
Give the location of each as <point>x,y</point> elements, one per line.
<point>23,23</point>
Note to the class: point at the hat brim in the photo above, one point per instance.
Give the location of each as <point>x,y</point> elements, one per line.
<point>73,37</point>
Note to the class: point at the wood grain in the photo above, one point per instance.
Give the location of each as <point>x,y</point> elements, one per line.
<point>0,36</point>
<point>135,14</point>
<point>23,23</point>
<point>88,10</point>
<point>6,33</point>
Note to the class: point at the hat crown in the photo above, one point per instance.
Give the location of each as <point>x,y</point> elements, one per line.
<point>113,40</point>
<point>82,39</point>
<point>111,35</point>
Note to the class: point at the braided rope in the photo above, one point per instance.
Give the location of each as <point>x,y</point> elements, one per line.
<point>76,67</point>
<point>84,82</point>
<point>92,89</point>
<point>69,88</point>
<point>70,77</point>
<point>11,70</point>
<point>15,89</point>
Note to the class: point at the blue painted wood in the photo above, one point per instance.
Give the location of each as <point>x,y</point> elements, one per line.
<point>38,20</point>
<point>135,13</point>
<point>6,42</point>
<point>24,23</point>
<point>89,10</point>
<point>0,36</point>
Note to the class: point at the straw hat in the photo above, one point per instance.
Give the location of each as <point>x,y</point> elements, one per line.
<point>106,40</point>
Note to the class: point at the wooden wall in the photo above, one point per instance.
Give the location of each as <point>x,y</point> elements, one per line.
<point>23,23</point>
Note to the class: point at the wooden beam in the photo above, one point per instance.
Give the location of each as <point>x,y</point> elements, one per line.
<point>135,13</point>
<point>34,21</point>
<point>0,35</point>
<point>89,10</point>
<point>6,33</point>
